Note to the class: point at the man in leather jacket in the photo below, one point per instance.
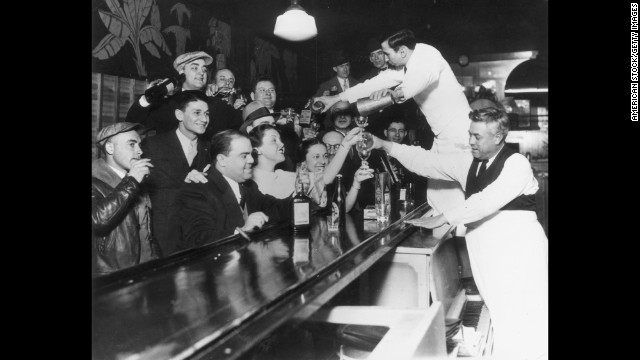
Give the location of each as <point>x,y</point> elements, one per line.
<point>119,208</point>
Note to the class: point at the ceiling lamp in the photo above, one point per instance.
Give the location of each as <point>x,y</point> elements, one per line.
<point>530,76</point>
<point>295,24</point>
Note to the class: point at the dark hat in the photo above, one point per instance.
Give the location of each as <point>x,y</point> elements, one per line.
<point>373,45</point>
<point>256,114</point>
<point>339,59</point>
<point>186,58</point>
<point>114,129</point>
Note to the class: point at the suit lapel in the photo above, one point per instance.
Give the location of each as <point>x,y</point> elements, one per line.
<point>175,149</point>
<point>229,201</point>
<point>202,158</point>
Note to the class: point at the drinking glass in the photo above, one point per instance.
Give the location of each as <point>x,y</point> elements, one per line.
<point>362,121</point>
<point>363,151</point>
<point>367,139</point>
<point>289,113</point>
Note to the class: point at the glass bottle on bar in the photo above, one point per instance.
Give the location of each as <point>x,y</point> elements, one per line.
<point>301,209</point>
<point>337,218</point>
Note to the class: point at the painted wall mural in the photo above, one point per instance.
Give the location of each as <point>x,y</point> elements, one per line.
<point>179,32</point>
<point>139,39</point>
<point>125,25</point>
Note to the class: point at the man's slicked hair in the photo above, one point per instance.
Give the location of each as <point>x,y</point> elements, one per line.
<point>188,96</point>
<point>221,142</point>
<point>403,37</point>
<point>490,115</point>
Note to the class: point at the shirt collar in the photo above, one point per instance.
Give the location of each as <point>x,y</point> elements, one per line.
<point>185,142</point>
<point>118,172</point>
<point>490,160</point>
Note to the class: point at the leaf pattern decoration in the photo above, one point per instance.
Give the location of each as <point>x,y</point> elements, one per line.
<point>108,46</point>
<point>114,7</point>
<point>144,6</point>
<point>181,10</point>
<point>155,17</point>
<point>131,13</point>
<point>115,25</point>
<point>150,36</point>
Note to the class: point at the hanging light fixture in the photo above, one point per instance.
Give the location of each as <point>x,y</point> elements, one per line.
<point>295,24</point>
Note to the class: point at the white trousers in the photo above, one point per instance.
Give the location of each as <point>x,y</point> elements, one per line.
<point>441,194</point>
<point>509,256</point>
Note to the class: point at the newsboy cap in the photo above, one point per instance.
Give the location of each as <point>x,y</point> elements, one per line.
<point>114,129</point>
<point>186,58</point>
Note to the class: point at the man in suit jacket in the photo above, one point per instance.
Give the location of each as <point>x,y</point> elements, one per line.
<point>376,56</point>
<point>229,201</point>
<point>178,156</point>
<point>338,83</point>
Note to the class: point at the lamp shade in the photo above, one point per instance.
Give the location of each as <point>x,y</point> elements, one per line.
<point>530,76</point>
<point>295,24</point>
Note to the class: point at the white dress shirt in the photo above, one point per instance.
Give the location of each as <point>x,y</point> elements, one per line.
<point>235,187</point>
<point>508,249</point>
<point>118,172</point>
<point>515,179</point>
<point>186,145</point>
<point>430,81</point>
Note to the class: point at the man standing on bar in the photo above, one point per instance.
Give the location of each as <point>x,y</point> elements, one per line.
<point>508,248</point>
<point>420,72</point>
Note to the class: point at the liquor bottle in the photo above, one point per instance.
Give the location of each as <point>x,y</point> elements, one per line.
<point>386,167</point>
<point>157,92</point>
<point>300,218</point>
<point>338,205</point>
<point>382,196</point>
<point>315,107</point>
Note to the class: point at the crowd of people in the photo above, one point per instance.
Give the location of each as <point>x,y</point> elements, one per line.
<point>195,167</point>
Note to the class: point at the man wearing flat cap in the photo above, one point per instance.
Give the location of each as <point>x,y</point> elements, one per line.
<point>120,209</point>
<point>192,68</point>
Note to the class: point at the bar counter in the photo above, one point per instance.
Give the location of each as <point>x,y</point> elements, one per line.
<point>219,300</point>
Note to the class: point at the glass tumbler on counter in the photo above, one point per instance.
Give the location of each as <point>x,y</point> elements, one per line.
<point>382,196</point>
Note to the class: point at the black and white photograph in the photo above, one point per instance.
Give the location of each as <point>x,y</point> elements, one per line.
<point>320,179</point>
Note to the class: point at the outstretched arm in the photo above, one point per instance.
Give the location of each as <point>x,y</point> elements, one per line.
<point>333,168</point>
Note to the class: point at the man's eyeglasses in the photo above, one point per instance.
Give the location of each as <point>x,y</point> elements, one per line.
<point>393,131</point>
<point>376,54</point>
<point>332,147</point>
<point>264,91</point>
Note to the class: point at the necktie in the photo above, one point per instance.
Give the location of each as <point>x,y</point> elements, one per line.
<point>483,167</point>
<point>243,204</point>
<point>346,84</point>
<point>193,150</point>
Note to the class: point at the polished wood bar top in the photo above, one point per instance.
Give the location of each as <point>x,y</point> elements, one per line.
<point>222,298</point>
